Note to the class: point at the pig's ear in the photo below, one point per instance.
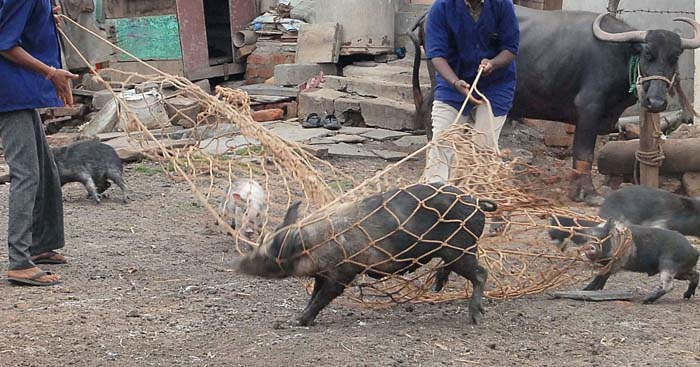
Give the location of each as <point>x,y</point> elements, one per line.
<point>292,215</point>
<point>237,197</point>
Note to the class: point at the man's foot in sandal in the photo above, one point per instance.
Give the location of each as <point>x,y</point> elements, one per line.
<point>49,257</point>
<point>33,276</point>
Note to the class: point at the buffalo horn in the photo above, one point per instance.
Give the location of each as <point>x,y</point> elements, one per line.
<point>690,43</point>
<point>632,36</point>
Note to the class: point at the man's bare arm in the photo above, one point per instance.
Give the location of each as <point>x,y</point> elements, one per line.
<point>443,67</point>
<point>503,59</point>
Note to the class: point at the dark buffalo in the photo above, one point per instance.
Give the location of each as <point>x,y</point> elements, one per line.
<point>571,70</point>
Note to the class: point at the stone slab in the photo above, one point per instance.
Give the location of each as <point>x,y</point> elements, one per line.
<point>269,90</point>
<point>295,74</point>
<point>226,145</point>
<point>388,114</point>
<point>343,150</point>
<point>294,132</point>
<point>347,138</point>
<point>318,43</point>
<point>411,141</point>
<point>355,130</point>
<point>370,87</point>
<point>384,135</point>
<point>319,101</point>
<point>388,73</point>
<point>389,155</point>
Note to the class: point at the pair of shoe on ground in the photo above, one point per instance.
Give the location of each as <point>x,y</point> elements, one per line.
<point>330,122</point>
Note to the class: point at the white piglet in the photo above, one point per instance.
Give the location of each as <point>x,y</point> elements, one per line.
<point>243,207</point>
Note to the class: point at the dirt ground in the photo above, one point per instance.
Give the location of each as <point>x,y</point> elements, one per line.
<point>148,285</point>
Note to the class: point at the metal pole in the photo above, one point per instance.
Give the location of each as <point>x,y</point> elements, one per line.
<point>612,7</point>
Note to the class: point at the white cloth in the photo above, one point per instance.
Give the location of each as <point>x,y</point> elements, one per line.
<point>439,159</point>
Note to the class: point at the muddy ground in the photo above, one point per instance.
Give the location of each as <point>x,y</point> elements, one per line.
<point>148,285</point>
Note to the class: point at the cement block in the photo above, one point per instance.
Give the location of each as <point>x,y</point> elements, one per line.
<point>347,108</point>
<point>181,108</point>
<point>101,98</point>
<point>377,88</point>
<point>388,73</point>
<point>320,101</point>
<point>319,43</point>
<point>387,114</point>
<point>295,74</point>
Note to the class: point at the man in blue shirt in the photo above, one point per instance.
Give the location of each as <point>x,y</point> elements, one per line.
<point>462,35</point>
<point>30,78</point>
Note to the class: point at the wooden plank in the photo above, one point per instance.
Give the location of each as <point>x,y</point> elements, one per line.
<point>648,175</point>
<point>269,90</point>
<point>318,43</point>
<point>173,67</point>
<point>595,296</point>
<point>242,13</point>
<point>137,8</point>
<point>149,38</point>
<point>193,35</point>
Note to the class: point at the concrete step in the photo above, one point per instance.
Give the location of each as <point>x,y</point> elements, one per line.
<point>387,73</point>
<point>374,112</point>
<point>368,87</point>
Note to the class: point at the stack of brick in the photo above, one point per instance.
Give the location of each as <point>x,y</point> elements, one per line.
<point>261,63</point>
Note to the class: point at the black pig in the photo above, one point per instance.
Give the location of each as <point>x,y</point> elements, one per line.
<point>650,207</point>
<point>91,163</point>
<point>387,233</point>
<point>653,251</point>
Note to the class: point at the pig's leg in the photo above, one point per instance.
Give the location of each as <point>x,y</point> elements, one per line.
<point>119,180</point>
<point>442,275</point>
<point>467,267</point>
<point>597,283</point>
<point>665,287</point>
<point>89,184</point>
<point>693,277</point>
<point>324,292</point>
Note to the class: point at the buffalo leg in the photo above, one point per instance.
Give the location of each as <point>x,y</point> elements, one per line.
<point>324,292</point>
<point>582,188</point>
<point>597,283</point>
<point>658,291</point>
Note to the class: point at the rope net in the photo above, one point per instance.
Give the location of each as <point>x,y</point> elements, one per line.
<point>395,234</point>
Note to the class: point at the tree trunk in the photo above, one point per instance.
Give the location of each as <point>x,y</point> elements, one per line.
<point>618,157</point>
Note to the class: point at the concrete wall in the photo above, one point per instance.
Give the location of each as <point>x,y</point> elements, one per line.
<point>678,8</point>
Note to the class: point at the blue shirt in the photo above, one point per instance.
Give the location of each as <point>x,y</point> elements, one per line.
<point>29,24</point>
<point>454,35</point>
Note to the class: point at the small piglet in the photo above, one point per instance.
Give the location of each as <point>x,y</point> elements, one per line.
<point>652,251</point>
<point>393,232</point>
<point>650,207</point>
<point>93,164</point>
<point>243,207</point>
